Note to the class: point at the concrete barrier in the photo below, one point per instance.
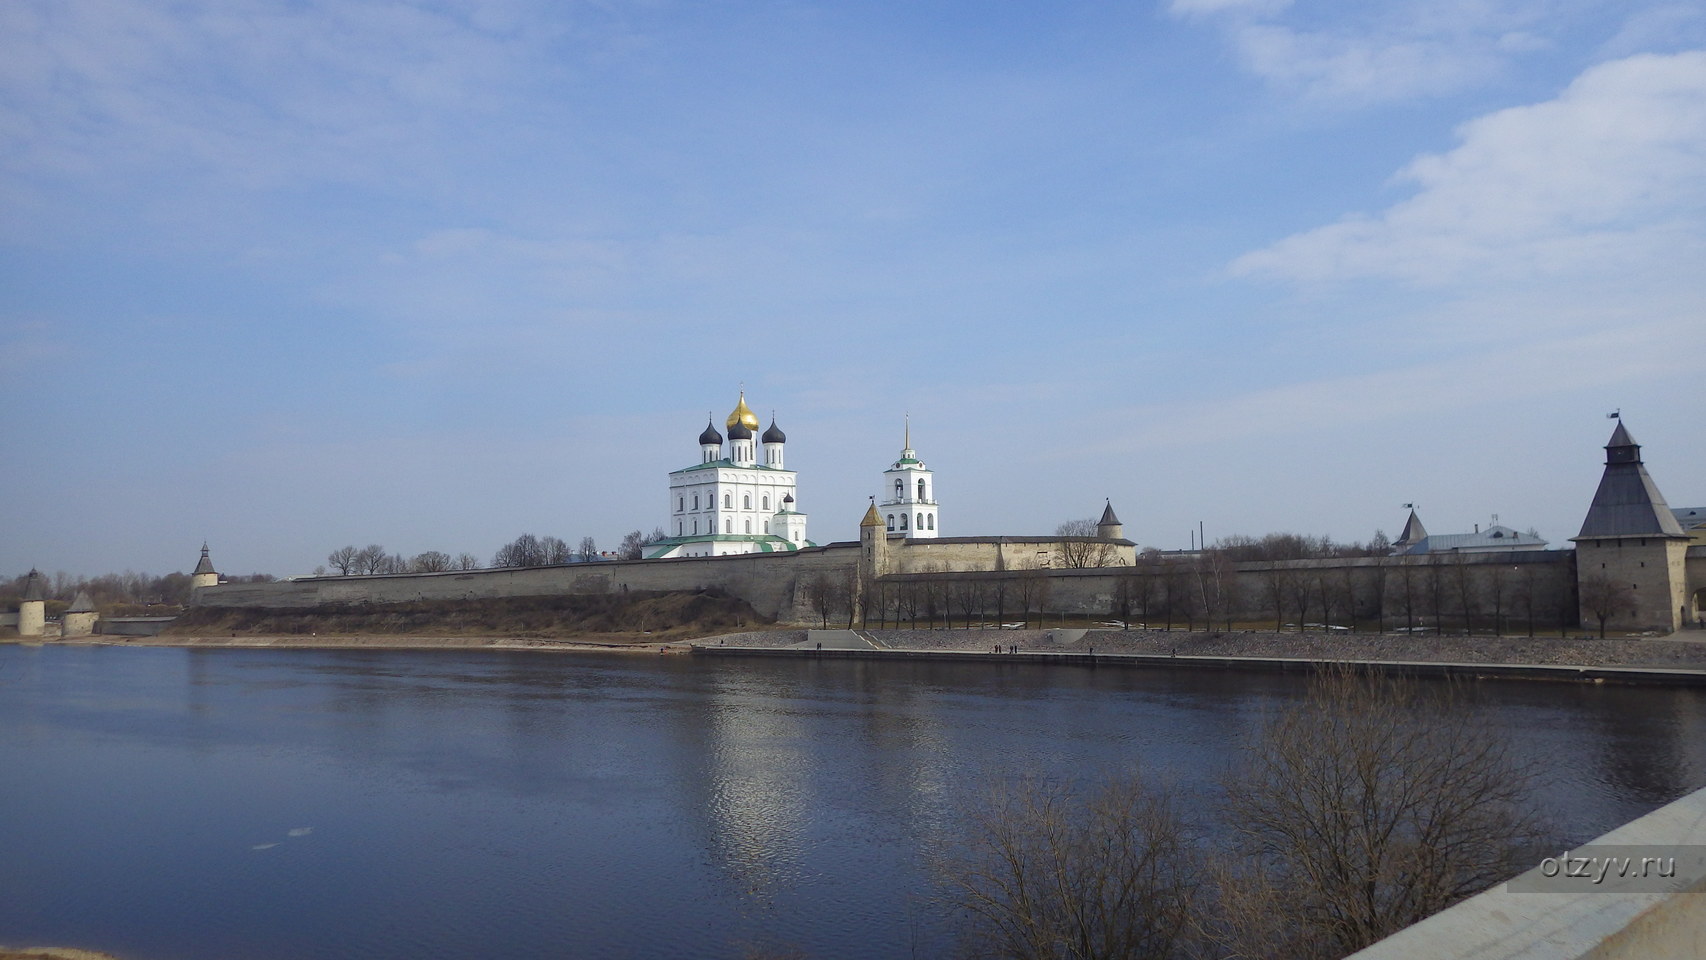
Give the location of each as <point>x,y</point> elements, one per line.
<point>1591,920</point>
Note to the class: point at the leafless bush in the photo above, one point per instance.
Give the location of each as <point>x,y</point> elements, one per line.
<point>1050,874</point>
<point>1365,808</point>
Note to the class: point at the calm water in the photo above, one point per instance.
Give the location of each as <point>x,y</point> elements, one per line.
<point>167,804</point>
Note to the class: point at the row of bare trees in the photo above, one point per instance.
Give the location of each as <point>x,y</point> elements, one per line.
<point>373,558</point>
<point>1361,810</point>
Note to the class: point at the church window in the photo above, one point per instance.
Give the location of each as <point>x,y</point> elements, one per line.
<point>680,528</point>
<point>932,519</point>
<point>903,521</point>
<point>728,525</point>
<point>767,501</point>
<point>766,526</point>
<point>899,489</point>
<point>728,501</point>
<point>921,521</point>
<point>679,504</point>
<point>749,526</point>
<point>921,488</point>
<point>746,503</point>
<point>695,501</point>
<point>695,528</point>
<point>891,523</point>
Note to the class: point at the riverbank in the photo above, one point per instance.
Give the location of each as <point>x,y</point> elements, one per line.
<point>51,953</point>
<point>1615,660</point>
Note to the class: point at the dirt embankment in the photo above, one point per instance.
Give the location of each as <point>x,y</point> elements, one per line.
<point>654,616</point>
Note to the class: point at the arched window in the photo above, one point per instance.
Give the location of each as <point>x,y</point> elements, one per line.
<point>749,526</point>
<point>728,525</point>
<point>899,489</point>
<point>680,504</point>
<point>932,519</point>
<point>921,488</point>
<point>921,521</point>
<point>680,527</point>
<point>767,501</point>
<point>766,526</point>
<point>695,528</point>
<point>891,523</point>
<point>695,501</point>
<point>728,501</point>
<point>903,521</point>
<point>746,503</point>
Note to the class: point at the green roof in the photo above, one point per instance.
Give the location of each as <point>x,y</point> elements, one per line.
<point>767,542</point>
<point>726,462</point>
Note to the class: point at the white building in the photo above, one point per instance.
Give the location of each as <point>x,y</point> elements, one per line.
<point>741,502</point>
<point>910,510</point>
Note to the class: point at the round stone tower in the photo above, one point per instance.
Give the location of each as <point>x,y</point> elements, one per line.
<point>79,619</point>
<point>203,575</point>
<point>32,611</point>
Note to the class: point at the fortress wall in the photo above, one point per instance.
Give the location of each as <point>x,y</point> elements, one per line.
<point>768,581</point>
<point>1496,586</point>
<point>1005,553</point>
<point>775,583</point>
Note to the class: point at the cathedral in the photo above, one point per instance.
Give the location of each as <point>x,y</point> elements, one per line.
<point>734,500</point>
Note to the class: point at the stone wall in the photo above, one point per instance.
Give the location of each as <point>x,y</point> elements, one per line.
<point>774,583</point>
<point>957,554</point>
<point>1448,591</point>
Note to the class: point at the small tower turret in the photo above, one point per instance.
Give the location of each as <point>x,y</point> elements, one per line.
<point>873,544</point>
<point>1109,526</point>
<point>203,575</point>
<point>32,608</point>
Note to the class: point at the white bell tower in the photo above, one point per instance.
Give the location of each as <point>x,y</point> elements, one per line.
<point>910,489</point>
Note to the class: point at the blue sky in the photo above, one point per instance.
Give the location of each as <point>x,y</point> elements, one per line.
<point>289,275</point>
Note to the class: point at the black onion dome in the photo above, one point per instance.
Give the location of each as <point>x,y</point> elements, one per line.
<point>740,431</point>
<point>711,435</point>
<point>774,434</point>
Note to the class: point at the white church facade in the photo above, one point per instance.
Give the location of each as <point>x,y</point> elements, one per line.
<point>742,500</point>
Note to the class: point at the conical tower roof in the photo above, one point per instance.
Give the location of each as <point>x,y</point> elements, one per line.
<point>871,517</point>
<point>204,565</point>
<point>1627,503</point>
<point>1413,533</point>
<point>34,587</point>
<point>1108,517</point>
<point>81,603</point>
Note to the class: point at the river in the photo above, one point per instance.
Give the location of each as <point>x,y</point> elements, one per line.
<point>194,804</point>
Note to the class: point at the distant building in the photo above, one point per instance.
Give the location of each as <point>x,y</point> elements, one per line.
<point>739,502</point>
<point>1496,538</point>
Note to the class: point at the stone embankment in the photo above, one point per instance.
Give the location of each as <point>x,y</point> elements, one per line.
<point>1684,651</point>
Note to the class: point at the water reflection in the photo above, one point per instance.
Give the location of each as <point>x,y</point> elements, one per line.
<point>463,803</point>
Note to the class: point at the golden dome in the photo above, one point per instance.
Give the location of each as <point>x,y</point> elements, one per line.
<point>743,415</point>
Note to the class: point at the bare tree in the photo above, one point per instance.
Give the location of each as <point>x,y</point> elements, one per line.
<point>1049,876</point>
<point>1365,808</point>
<point>1081,547</point>
<point>344,559</point>
<point>1606,598</point>
<point>432,561</point>
<point>552,550</point>
<point>588,549</point>
<point>466,561</point>
<point>372,558</point>
<point>829,595</point>
<point>633,546</point>
<point>523,551</point>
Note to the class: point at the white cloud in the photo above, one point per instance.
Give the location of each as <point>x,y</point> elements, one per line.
<point>1608,178</point>
<point>1384,52</point>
